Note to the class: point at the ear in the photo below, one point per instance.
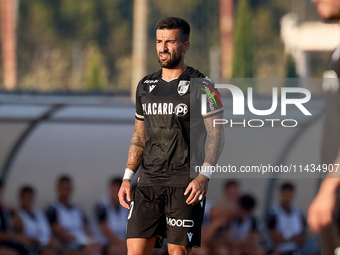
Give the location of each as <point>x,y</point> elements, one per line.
<point>186,46</point>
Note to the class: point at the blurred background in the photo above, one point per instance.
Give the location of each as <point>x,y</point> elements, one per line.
<point>69,70</point>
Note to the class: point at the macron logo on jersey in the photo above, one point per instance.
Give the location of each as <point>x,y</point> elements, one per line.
<point>151,87</point>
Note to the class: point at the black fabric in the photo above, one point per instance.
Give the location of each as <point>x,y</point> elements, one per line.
<point>101,213</point>
<point>157,210</point>
<point>253,224</point>
<point>170,114</point>
<point>51,215</point>
<point>271,221</point>
<point>3,223</point>
<point>15,246</point>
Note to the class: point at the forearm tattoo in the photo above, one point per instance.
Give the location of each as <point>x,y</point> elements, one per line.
<point>216,141</point>
<point>136,147</point>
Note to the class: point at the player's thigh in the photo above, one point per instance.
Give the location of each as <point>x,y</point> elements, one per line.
<point>174,249</point>
<point>146,218</point>
<point>140,246</point>
<point>183,221</point>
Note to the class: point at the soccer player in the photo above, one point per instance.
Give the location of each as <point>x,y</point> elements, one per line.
<point>68,223</point>
<point>111,219</point>
<point>32,223</point>
<point>166,198</point>
<point>321,209</point>
<point>286,224</point>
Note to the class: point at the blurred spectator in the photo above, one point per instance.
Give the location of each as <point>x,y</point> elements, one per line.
<point>111,218</point>
<point>68,223</point>
<point>231,195</point>
<point>243,236</point>
<point>214,234</point>
<point>32,224</point>
<point>286,224</point>
<point>10,243</point>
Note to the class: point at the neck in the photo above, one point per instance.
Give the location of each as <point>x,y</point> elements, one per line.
<point>25,208</point>
<point>286,208</point>
<point>170,74</point>
<point>63,201</point>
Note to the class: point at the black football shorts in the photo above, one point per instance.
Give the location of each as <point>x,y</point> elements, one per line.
<point>162,211</point>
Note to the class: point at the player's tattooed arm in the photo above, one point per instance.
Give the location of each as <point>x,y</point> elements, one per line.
<point>216,139</point>
<point>136,146</point>
<point>199,186</point>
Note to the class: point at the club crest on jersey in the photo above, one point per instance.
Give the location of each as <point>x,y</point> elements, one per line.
<point>183,87</point>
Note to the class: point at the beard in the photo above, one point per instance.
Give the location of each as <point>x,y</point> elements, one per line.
<point>172,62</point>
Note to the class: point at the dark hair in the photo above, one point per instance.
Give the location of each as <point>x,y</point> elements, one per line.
<point>287,186</point>
<point>247,202</point>
<point>229,183</point>
<point>116,181</point>
<point>26,189</point>
<point>64,178</point>
<point>1,183</point>
<point>175,23</point>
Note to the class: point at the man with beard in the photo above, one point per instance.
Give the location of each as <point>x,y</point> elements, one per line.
<point>321,210</point>
<point>166,198</point>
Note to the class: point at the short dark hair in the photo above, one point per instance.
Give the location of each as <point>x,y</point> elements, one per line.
<point>63,178</point>
<point>175,23</point>
<point>287,186</point>
<point>26,189</point>
<point>247,202</point>
<point>116,181</point>
<point>229,183</point>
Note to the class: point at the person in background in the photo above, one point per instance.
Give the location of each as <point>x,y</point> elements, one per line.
<point>286,224</point>
<point>68,223</point>
<point>111,218</point>
<point>32,224</point>
<point>213,235</point>
<point>243,236</point>
<point>10,243</point>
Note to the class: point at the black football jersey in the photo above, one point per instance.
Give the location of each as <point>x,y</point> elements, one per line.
<point>171,116</point>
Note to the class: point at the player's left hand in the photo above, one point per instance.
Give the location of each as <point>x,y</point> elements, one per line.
<point>198,187</point>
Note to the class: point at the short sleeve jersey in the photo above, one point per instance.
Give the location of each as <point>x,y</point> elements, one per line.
<point>171,117</point>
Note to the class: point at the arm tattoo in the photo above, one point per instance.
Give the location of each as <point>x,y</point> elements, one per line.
<point>136,146</point>
<point>201,184</point>
<point>216,140</point>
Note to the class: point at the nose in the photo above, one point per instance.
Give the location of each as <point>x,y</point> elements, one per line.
<point>163,47</point>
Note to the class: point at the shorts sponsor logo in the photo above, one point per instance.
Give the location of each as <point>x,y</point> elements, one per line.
<point>179,223</point>
<point>181,110</point>
<point>183,87</point>
<point>190,236</point>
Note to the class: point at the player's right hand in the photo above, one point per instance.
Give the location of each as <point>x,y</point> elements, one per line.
<point>321,210</point>
<point>124,194</point>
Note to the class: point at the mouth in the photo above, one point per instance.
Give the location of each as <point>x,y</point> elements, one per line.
<point>163,56</point>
